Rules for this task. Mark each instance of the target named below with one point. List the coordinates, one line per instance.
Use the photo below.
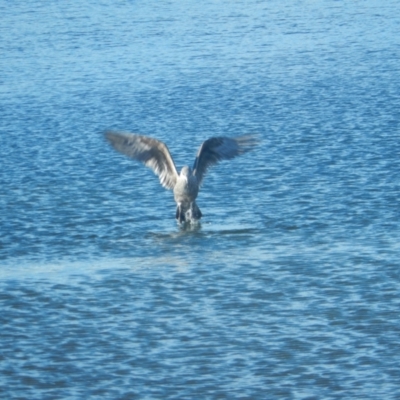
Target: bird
(185, 185)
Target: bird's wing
(217, 149)
(151, 152)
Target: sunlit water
(289, 287)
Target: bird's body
(185, 193)
(186, 185)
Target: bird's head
(186, 171)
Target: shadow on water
(207, 230)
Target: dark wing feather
(151, 152)
(220, 148)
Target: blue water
(288, 289)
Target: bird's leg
(180, 216)
(195, 211)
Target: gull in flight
(185, 185)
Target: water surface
(290, 286)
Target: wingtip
(248, 142)
(114, 136)
(109, 135)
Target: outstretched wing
(217, 149)
(151, 152)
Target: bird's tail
(184, 214)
